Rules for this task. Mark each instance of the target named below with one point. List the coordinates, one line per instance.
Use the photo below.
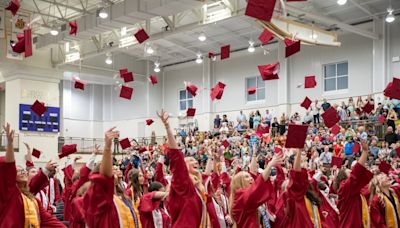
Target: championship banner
(2, 23)
(17, 27)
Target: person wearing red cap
(302, 203)
(353, 207)
(101, 206)
(187, 200)
(384, 203)
(247, 195)
(18, 206)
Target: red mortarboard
(337, 161)
(331, 117)
(24, 43)
(217, 91)
(191, 88)
(356, 148)
(153, 79)
(269, 72)
(265, 36)
(36, 153)
(126, 92)
(260, 9)
(190, 112)
(277, 150)
(79, 85)
(292, 47)
(128, 77)
(226, 144)
(368, 107)
(296, 136)
(384, 167)
(251, 90)
(29, 164)
(393, 89)
(13, 6)
(382, 119)
(39, 108)
(309, 82)
(149, 122)
(306, 103)
(335, 129)
(225, 52)
(211, 55)
(67, 150)
(125, 143)
(73, 27)
(141, 36)
(123, 71)
(262, 130)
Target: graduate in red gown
(353, 207)
(102, 207)
(77, 219)
(151, 207)
(384, 203)
(247, 194)
(18, 206)
(186, 201)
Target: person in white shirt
(268, 118)
(326, 156)
(308, 118)
(241, 117)
(315, 111)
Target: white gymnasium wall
(2, 107)
(393, 49)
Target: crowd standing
(240, 174)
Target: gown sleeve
(159, 175)
(8, 175)
(181, 183)
(83, 178)
(359, 177)
(38, 182)
(147, 204)
(257, 194)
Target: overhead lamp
(314, 36)
(157, 67)
(390, 17)
(199, 59)
(103, 13)
(251, 48)
(202, 37)
(109, 60)
(341, 2)
(149, 50)
(54, 31)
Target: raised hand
(9, 133)
(28, 148)
(110, 135)
(96, 149)
(277, 160)
(164, 116)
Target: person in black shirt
(390, 136)
(325, 106)
(275, 126)
(217, 122)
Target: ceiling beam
(169, 22)
(365, 9)
(63, 5)
(330, 21)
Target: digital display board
(30, 121)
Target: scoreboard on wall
(30, 121)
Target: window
(185, 100)
(260, 89)
(336, 76)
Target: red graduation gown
(349, 202)
(378, 211)
(68, 172)
(77, 213)
(98, 203)
(147, 206)
(295, 203)
(246, 202)
(184, 205)
(159, 174)
(11, 204)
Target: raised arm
(10, 143)
(210, 162)
(28, 156)
(297, 161)
(253, 164)
(170, 135)
(364, 154)
(106, 163)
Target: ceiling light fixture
(157, 67)
(109, 60)
(202, 37)
(341, 2)
(314, 36)
(251, 48)
(390, 17)
(149, 49)
(199, 59)
(103, 13)
(54, 31)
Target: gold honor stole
(313, 212)
(365, 212)
(31, 211)
(390, 213)
(204, 214)
(135, 205)
(124, 214)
